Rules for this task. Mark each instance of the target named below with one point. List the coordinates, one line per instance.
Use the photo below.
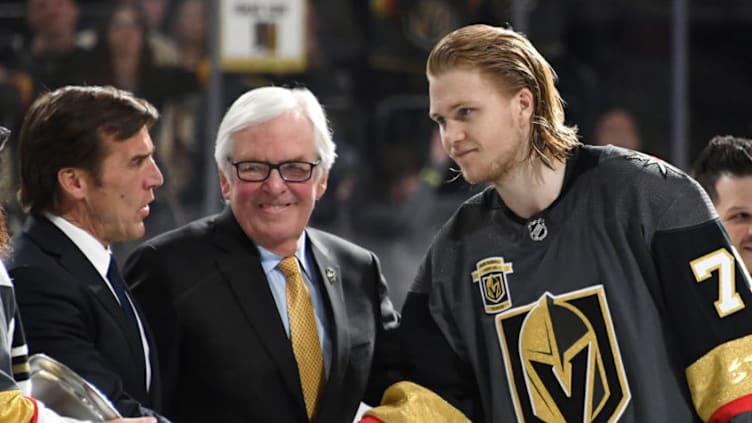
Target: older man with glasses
(258, 317)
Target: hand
(134, 420)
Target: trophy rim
(42, 366)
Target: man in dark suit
(87, 176)
(222, 301)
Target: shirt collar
(98, 254)
(270, 260)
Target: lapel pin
(331, 275)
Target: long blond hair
(512, 63)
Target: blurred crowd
(392, 185)
(391, 180)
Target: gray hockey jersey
(622, 301)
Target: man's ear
(73, 181)
(224, 184)
(321, 185)
(526, 103)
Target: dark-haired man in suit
(87, 177)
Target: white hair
(264, 104)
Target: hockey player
(724, 169)
(587, 284)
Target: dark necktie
(113, 275)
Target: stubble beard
(499, 170)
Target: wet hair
(724, 155)
(67, 128)
(512, 63)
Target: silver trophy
(67, 393)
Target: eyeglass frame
(4, 136)
(272, 166)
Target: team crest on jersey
(491, 276)
(562, 359)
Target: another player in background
(724, 169)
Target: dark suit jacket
(71, 315)
(224, 352)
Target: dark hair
(67, 128)
(103, 55)
(723, 155)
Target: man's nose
(156, 179)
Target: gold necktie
(303, 334)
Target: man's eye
(740, 217)
(251, 167)
(139, 161)
(296, 167)
(465, 112)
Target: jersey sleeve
(427, 346)
(14, 407)
(705, 291)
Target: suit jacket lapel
(56, 243)
(331, 280)
(240, 267)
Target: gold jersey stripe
(14, 407)
(721, 376)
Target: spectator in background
(724, 169)
(181, 150)
(124, 59)
(51, 56)
(16, 91)
(618, 127)
(180, 137)
(163, 45)
(191, 35)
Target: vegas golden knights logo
(491, 276)
(562, 359)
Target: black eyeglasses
(4, 136)
(293, 171)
